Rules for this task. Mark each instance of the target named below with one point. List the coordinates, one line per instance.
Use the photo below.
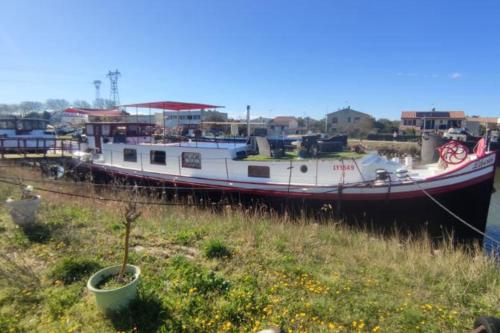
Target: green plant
(187, 237)
(215, 248)
(60, 299)
(70, 270)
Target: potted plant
(115, 286)
(23, 211)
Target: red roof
(96, 112)
(175, 106)
(490, 120)
(285, 120)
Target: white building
(185, 119)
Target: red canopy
(175, 106)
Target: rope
(446, 209)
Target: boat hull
(384, 209)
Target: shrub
(187, 237)
(196, 278)
(217, 249)
(70, 270)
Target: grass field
(238, 270)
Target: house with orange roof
(476, 125)
(431, 120)
(283, 125)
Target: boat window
(157, 157)
(258, 171)
(89, 129)
(7, 124)
(191, 160)
(133, 130)
(106, 130)
(129, 155)
(303, 168)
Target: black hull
(408, 216)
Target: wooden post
(2, 148)
(24, 150)
(62, 148)
(44, 146)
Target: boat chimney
(248, 121)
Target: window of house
(356, 119)
(348, 119)
(259, 171)
(191, 160)
(158, 157)
(334, 120)
(129, 155)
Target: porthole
(303, 168)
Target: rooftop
(433, 114)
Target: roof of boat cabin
(174, 106)
(125, 123)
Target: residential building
(431, 120)
(348, 120)
(476, 125)
(283, 125)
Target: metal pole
(227, 170)
(248, 121)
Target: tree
(384, 125)
(214, 116)
(30, 106)
(81, 104)
(56, 104)
(38, 115)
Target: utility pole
(97, 85)
(248, 120)
(113, 79)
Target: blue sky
(302, 58)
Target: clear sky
(282, 57)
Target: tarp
(174, 106)
(96, 112)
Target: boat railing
(38, 146)
(294, 167)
